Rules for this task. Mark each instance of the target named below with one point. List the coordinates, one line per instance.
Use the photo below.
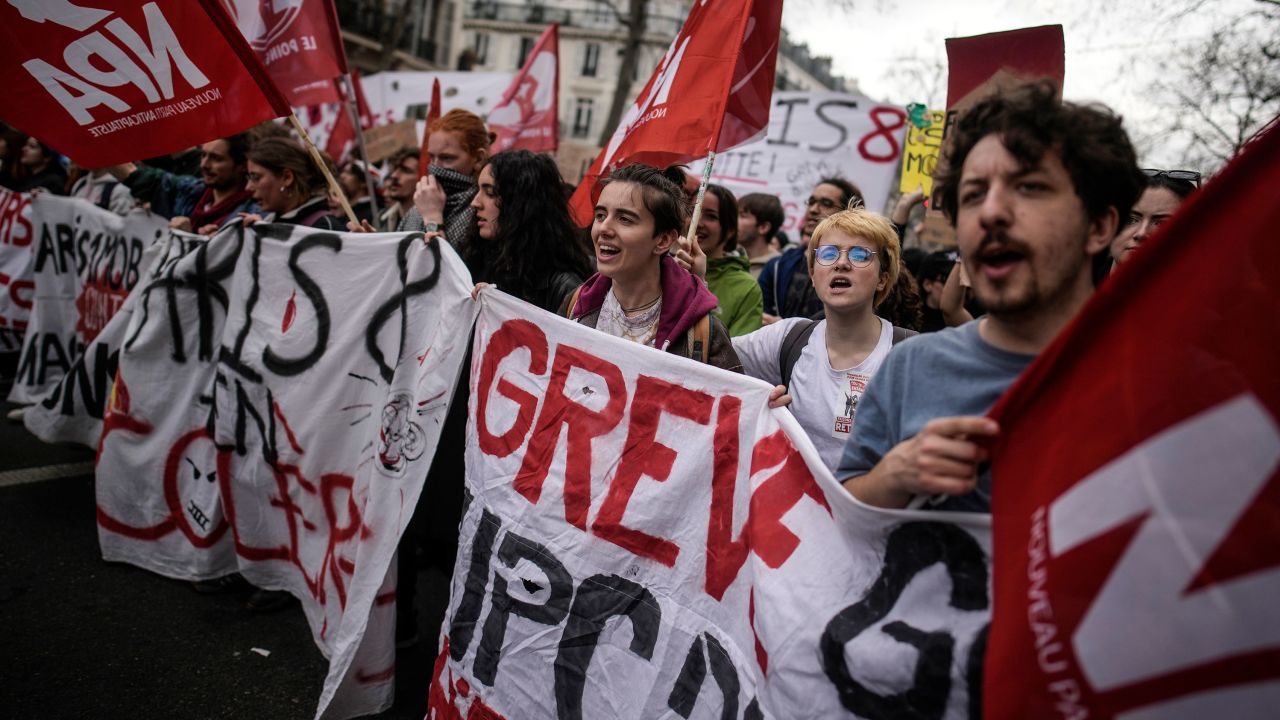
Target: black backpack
(798, 336)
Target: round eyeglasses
(859, 256)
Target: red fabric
(1029, 52)
(208, 83)
(433, 114)
(300, 45)
(1125, 411)
(526, 118)
(362, 105)
(343, 135)
(712, 91)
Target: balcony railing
(590, 15)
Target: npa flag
(526, 117)
(706, 94)
(140, 79)
(1137, 502)
(298, 42)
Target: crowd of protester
(1037, 190)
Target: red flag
(137, 80)
(1137, 499)
(362, 105)
(526, 117)
(298, 42)
(975, 62)
(343, 135)
(706, 94)
(433, 114)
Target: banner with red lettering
(1137, 498)
(17, 284)
(279, 397)
(710, 92)
(138, 79)
(527, 116)
(813, 135)
(642, 537)
(86, 260)
(298, 42)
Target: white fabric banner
(813, 135)
(17, 286)
(644, 538)
(71, 410)
(279, 398)
(86, 260)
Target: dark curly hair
(536, 239)
(1030, 120)
(848, 191)
(664, 199)
(902, 305)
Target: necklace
(638, 308)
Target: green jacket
(741, 302)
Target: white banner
(644, 538)
(86, 260)
(17, 286)
(278, 402)
(813, 135)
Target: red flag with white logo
(526, 117)
(1136, 485)
(298, 42)
(139, 79)
(711, 92)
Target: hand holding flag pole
(334, 187)
(696, 261)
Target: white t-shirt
(823, 399)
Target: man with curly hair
(1035, 187)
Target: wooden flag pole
(697, 205)
(364, 154)
(334, 187)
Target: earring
(284, 189)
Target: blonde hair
(872, 227)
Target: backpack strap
(104, 201)
(792, 345)
(901, 333)
(573, 302)
(700, 341)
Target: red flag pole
(334, 187)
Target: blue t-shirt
(943, 374)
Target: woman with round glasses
(1165, 191)
(854, 258)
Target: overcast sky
(1114, 48)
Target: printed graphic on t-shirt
(847, 404)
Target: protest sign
(383, 142)
(86, 260)
(920, 152)
(642, 537)
(526, 117)
(1137, 481)
(277, 404)
(17, 286)
(298, 42)
(72, 410)
(141, 79)
(396, 96)
(710, 93)
(812, 136)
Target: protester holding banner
(1035, 188)
(457, 144)
(728, 268)
(760, 216)
(1165, 191)
(41, 169)
(193, 203)
(854, 261)
(401, 179)
(784, 280)
(286, 184)
(639, 293)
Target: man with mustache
(1035, 187)
(203, 203)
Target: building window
(482, 48)
(590, 59)
(526, 47)
(582, 117)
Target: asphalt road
(83, 638)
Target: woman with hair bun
(287, 186)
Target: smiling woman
(639, 293)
